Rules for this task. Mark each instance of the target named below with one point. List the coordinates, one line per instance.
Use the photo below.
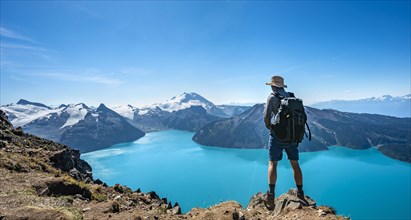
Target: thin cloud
(14, 35)
(86, 78)
(22, 47)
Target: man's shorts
(276, 149)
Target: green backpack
(290, 120)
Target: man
(276, 147)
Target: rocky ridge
(42, 179)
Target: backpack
(290, 120)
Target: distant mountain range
(391, 135)
(189, 111)
(88, 129)
(385, 105)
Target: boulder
(284, 203)
(69, 160)
(59, 187)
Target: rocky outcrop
(4, 123)
(287, 206)
(61, 187)
(68, 160)
(285, 203)
(23, 152)
(328, 127)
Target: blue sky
(139, 53)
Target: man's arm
(268, 111)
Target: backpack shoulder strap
(276, 94)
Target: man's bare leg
(298, 177)
(272, 172)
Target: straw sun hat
(277, 81)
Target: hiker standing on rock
(277, 137)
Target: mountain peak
(188, 96)
(183, 101)
(25, 102)
(102, 108)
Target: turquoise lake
(362, 184)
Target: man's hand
(268, 126)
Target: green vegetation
(98, 197)
(71, 180)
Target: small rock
(138, 190)
(153, 195)
(176, 210)
(86, 209)
(115, 207)
(236, 216)
(98, 182)
(169, 205)
(294, 205)
(164, 200)
(321, 212)
(78, 196)
(242, 216)
(131, 203)
(117, 198)
(119, 188)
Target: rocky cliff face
(42, 179)
(329, 127)
(26, 153)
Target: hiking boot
(300, 194)
(269, 201)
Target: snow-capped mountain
(181, 102)
(24, 112)
(169, 114)
(385, 105)
(78, 125)
(100, 128)
(127, 111)
(187, 100)
(54, 123)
